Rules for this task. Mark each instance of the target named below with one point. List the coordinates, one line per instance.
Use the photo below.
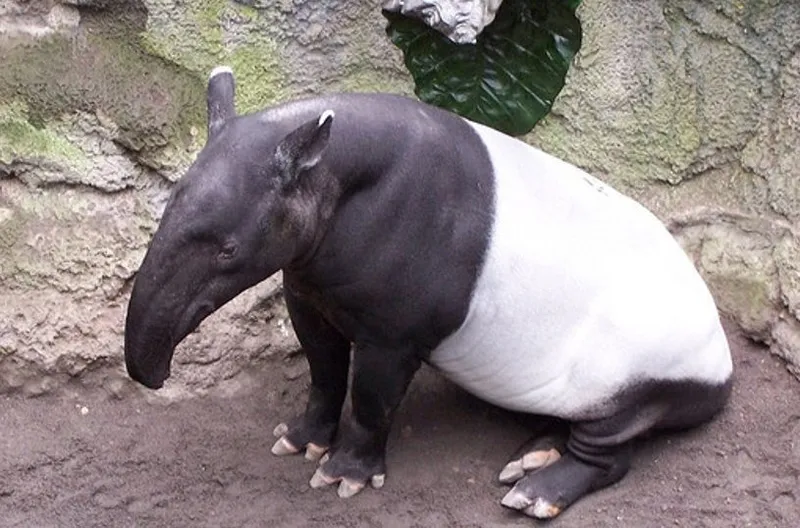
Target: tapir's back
(583, 293)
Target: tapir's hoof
(280, 430)
(516, 500)
(284, 447)
(315, 452)
(530, 461)
(347, 487)
(535, 454)
(320, 479)
(539, 508)
(511, 472)
(377, 481)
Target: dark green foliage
(509, 78)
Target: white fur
(325, 115)
(583, 291)
(220, 70)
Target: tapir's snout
(150, 378)
(152, 331)
(149, 343)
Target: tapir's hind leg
(598, 451)
(328, 355)
(596, 456)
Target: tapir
(407, 235)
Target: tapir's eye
(228, 251)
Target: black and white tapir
(413, 235)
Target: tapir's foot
(546, 492)
(534, 455)
(351, 472)
(300, 436)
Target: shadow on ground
(89, 460)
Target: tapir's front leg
(380, 378)
(328, 355)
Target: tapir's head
(243, 211)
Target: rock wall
(102, 107)
(692, 108)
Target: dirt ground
(89, 459)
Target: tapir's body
(418, 236)
(580, 286)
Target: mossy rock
(201, 35)
(19, 139)
(104, 69)
(152, 102)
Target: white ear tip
(220, 69)
(324, 117)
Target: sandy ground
(205, 462)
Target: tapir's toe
(539, 508)
(283, 446)
(542, 509)
(280, 430)
(531, 461)
(377, 481)
(532, 506)
(347, 487)
(516, 500)
(319, 479)
(536, 455)
(315, 452)
(511, 472)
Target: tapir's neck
(414, 191)
(316, 209)
(374, 140)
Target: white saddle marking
(583, 291)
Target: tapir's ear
(303, 148)
(221, 91)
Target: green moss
(749, 298)
(20, 139)
(258, 77)
(365, 69)
(190, 41)
(33, 73)
(551, 135)
(196, 41)
(153, 102)
(250, 13)
(364, 79)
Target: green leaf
(509, 78)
